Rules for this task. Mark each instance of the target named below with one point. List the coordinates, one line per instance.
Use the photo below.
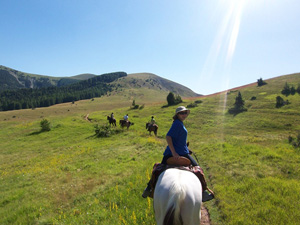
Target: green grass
(69, 176)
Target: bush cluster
(261, 82)
(105, 130)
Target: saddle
(183, 164)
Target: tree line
(290, 90)
(44, 97)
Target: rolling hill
(22, 90)
(11, 79)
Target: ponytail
(175, 117)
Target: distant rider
(152, 122)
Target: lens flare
(223, 47)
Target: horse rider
(126, 117)
(112, 116)
(152, 122)
(177, 147)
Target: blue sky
(208, 46)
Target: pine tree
(171, 98)
(238, 105)
(286, 90)
(239, 102)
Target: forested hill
(19, 90)
(44, 97)
(11, 79)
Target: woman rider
(177, 146)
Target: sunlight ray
(224, 44)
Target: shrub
(105, 131)
(135, 107)
(198, 101)
(295, 141)
(102, 131)
(192, 105)
(45, 125)
(280, 102)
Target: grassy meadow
(70, 176)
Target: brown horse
(152, 127)
(112, 121)
(124, 123)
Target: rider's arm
(171, 146)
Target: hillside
(70, 176)
(33, 91)
(11, 79)
(43, 97)
(152, 81)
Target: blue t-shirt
(178, 133)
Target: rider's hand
(176, 156)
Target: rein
(196, 157)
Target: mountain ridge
(11, 79)
(23, 90)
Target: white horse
(177, 198)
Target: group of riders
(126, 119)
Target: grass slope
(68, 176)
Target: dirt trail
(204, 216)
